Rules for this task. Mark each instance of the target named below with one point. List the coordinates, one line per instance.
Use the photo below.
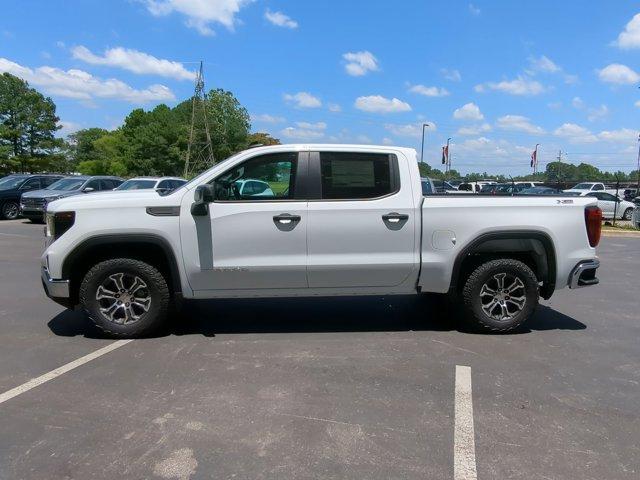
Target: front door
(254, 238)
(361, 230)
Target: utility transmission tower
(199, 150)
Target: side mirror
(88, 190)
(202, 197)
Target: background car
(428, 187)
(160, 184)
(546, 191)
(253, 188)
(34, 204)
(610, 205)
(13, 186)
(635, 220)
(442, 186)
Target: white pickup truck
(335, 220)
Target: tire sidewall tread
(480, 275)
(156, 283)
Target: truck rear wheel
(501, 294)
(124, 297)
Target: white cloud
(388, 141)
(473, 130)
(409, 130)
(134, 61)
(334, 107)
(303, 100)
(630, 36)
(266, 118)
(360, 63)
(637, 104)
(429, 91)
(280, 19)
(544, 64)
(518, 123)
(575, 133)
(578, 103)
(597, 113)
(618, 74)
(469, 111)
(473, 9)
(81, 85)
(453, 75)
(305, 131)
(380, 104)
(200, 13)
(621, 136)
(519, 86)
(68, 128)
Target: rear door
(604, 203)
(249, 240)
(361, 222)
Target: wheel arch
(151, 248)
(533, 247)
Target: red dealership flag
(445, 154)
(534, 158)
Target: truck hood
(113, 199)
(49, 194)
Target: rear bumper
(56, 290)
(584, 274)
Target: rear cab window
(357, 176)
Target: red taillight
(593, 222)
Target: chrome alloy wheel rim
(503, 296)
(11, 211)
(123, 298)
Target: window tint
(107, 184)
(607, 196)
(262, 178)
(598, 187)
(355, 175)
(426, 187)
(95, 184)
(465, 187)
(46, 181)
(32, 184)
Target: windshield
(67, 184)
(12, 181)
(137, 185)
(198, 179)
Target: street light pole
(424, 125)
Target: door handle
(286, 219)
(395, 217)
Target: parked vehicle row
(28, 195)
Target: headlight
(58, 223)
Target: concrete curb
(621, 233)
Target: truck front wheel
(124, 297)
(500, 295)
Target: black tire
(627, 214)
(10, 210)
(154, 288)
(477, 301)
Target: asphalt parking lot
(358, 388)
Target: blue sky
(495, 76)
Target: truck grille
(33, 202)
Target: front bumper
(584, 274)
(56, 290)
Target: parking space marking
(464, 448)
(34, 382)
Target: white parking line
(464, 447)
(14, 392)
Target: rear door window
(354, 176)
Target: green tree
(261, 138)
(28, 124)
